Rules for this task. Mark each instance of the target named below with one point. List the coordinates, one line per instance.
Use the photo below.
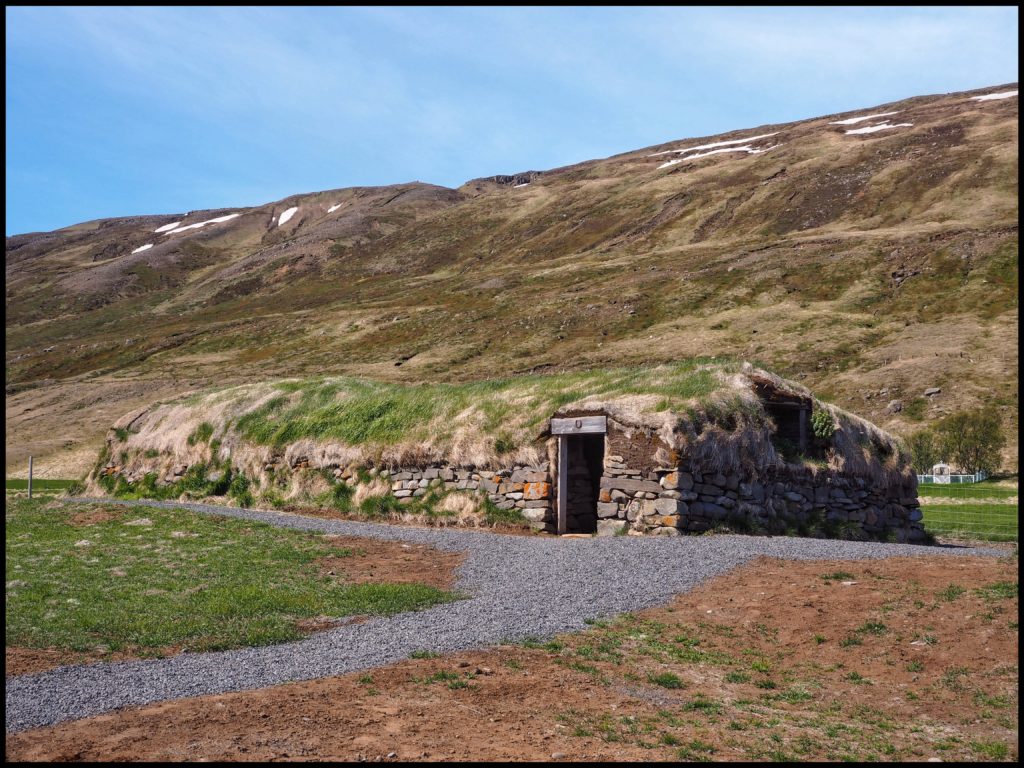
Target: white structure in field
(942, 474)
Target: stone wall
(676, 500)
(637, 496)
(522, 487)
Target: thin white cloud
(847, 50)
(224, 65)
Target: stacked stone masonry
(666, 500)
(676, 500)
(523, 487)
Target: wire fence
(970, 511)
(967, 492)
(951, 479)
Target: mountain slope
(871, 254)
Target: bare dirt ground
(94, 515)
(373, 561)
(365, 561)
(899, 659)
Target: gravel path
(519, 587)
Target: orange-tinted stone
(532, 491)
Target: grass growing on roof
(359, 412)
(174, 579)
(202, 434)
(704, 407)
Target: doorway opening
(584, 461)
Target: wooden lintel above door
(580, 425)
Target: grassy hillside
(869, 266)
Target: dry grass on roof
(702, 408)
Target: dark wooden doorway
(585, 465)
(580, 466)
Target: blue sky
(121, 111)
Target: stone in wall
(536, 490)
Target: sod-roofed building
(666, 450)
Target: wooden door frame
(563, 429)
(563, 481)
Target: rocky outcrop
(515, 180)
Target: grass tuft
(666, 680)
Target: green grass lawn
(996, 522)
(966, 491)
(149, 578)
(38, 484)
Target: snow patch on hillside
(334, 207)
(716, 144)
(217, 220)
(883, 127)
(287, 215)
(994, 96)
(855, 120)
(142, 248)
(517, 186)
(166, 227)
(748, 149)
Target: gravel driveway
(519, 587)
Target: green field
(995, 522)
(38, 484)
(145, 579)
(966, 491)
